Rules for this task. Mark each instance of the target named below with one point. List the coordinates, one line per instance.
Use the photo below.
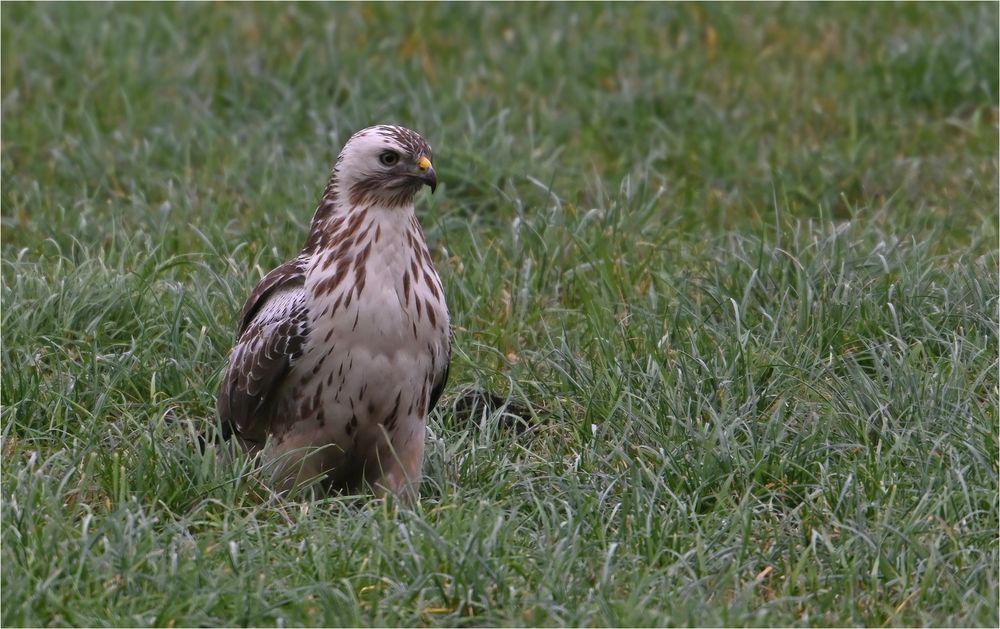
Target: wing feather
(272, 333)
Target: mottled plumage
(343, 351)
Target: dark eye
(389, 158)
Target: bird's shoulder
(290, 276)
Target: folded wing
(272, 333)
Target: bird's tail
(474, 402)
(217, 433)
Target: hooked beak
(426, 174)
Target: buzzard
(343, 351)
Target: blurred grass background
(827, 107)
(741, 260)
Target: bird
(343, 351)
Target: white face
(361, 153)
(384, 165)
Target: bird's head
(384, 165)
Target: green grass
(740, 261)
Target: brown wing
(273, 330)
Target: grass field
(739, 261)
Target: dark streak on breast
(390, 420)
(430, 313)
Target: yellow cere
(424, 164)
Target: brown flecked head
(384, 165)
